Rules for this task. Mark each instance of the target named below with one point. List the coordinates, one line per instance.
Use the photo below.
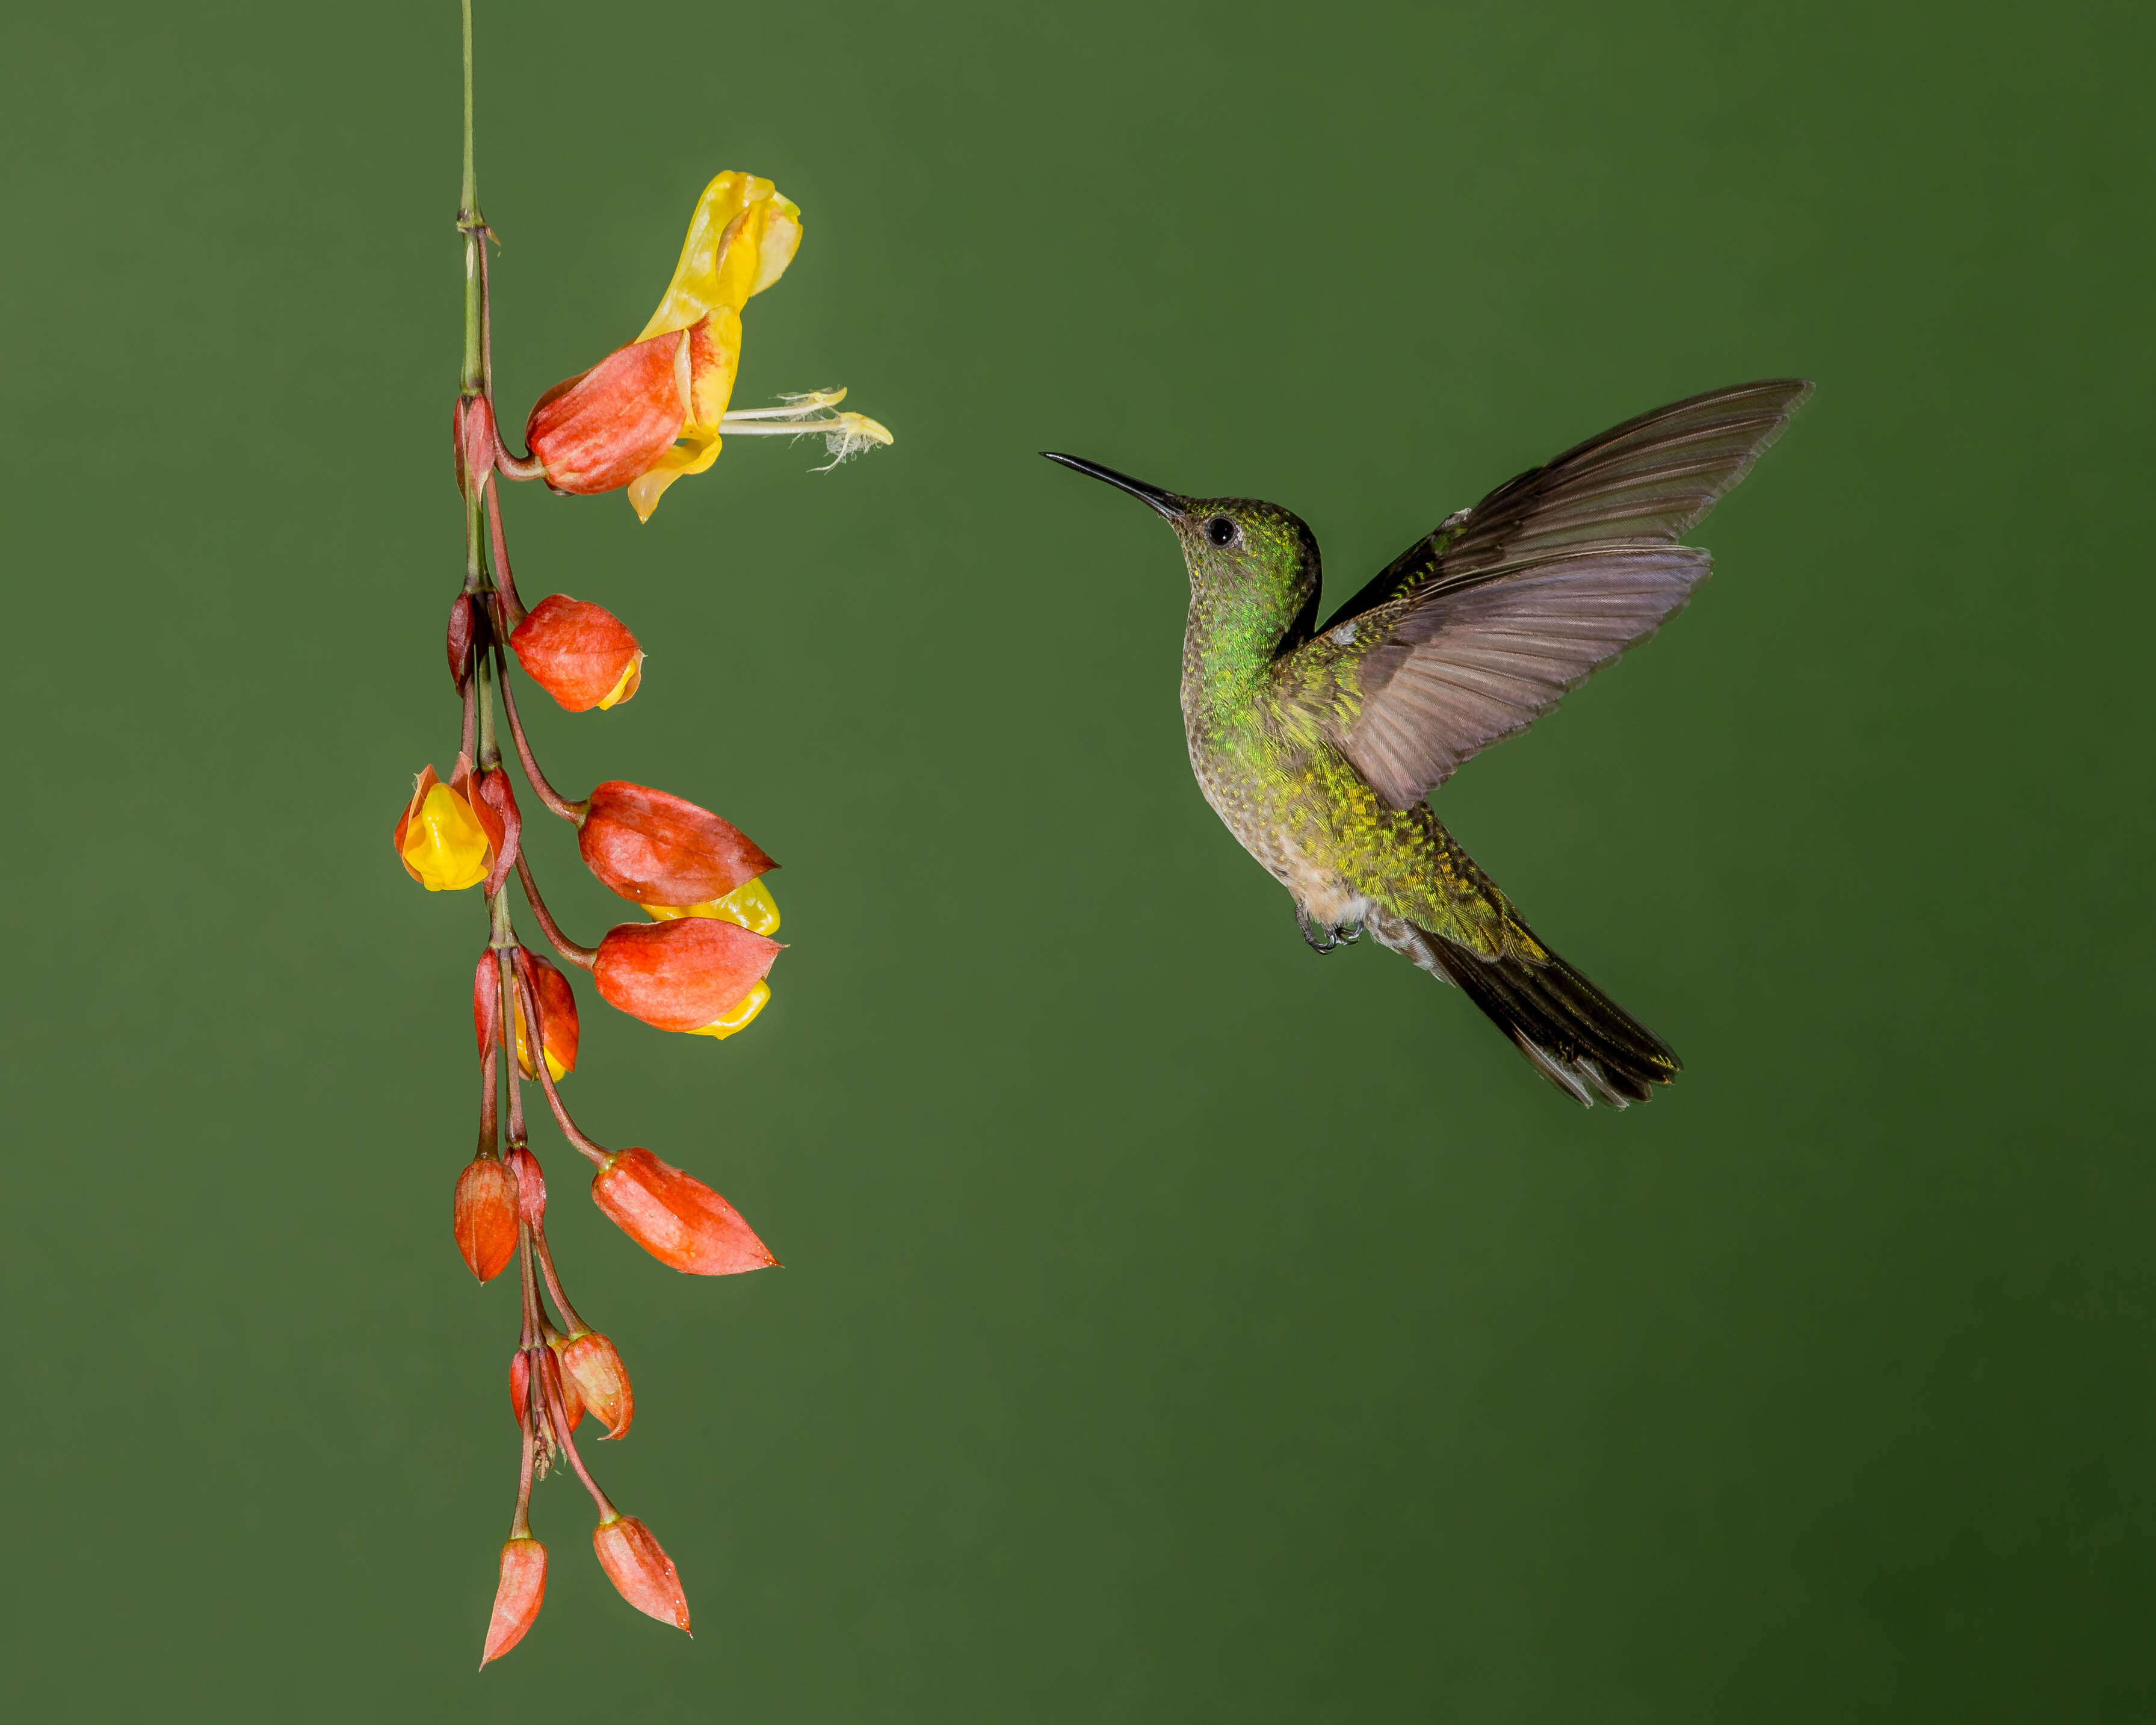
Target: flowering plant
(648, 413)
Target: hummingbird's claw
(1324, 941)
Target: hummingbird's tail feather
(1571, 1032)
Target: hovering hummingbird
(1317, 745)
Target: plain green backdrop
(1174, 1326)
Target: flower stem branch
(575, 1134)
(498, 910)
(490, 1136)
(559, 1412)
(509, 606)
(545, 793)
(578, 1326)
(583, 958)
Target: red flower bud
(656, 848)
(597, 431)
(486, 1002)
(464, 625)
(642, 1573)
(517, 1600)
(682, 975)
(486, 1216)
(590, 1362)
(520, 1389)
(530, 1184)
(472, 428)
(559, 1026)
(581, 655)
(492, 795)
(675, 1217)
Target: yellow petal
(782, 238)
(714, 351)
(740, 239)
(698, 453)
(750, 904)
(632, 678)
(554, 1064)
(737, 1016)
(445, 846)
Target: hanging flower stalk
(648, 413)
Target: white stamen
(843, 434)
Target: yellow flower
(441, 839)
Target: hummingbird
(1317, 745)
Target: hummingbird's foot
(1324, 940)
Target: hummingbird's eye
(1220, 530)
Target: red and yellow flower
(448, 837)
(651, 412)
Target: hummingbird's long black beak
(1166, 502)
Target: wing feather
(1476, 631)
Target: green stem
(471, 178)
(469, 221)
(490, 749)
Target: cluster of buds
(646, 415)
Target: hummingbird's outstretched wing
(1476, 631)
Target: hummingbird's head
(1252, 565)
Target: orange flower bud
(682, 975)
(558, 1027)
(590, 1363)
(520, 1390)
(657, 849)
(675, 1217)
(581, 655)
(446, 839)
(485, 1213)
(517, 1600)
(640, 1570)
(530, 1184)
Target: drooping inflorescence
(646, 415)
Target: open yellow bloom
(653, 411)
(446, 840)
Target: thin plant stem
(578, 1326)
(468, 737)
(504, 957)
(506, 597)
(545, 793)
(583, 958)
(472, 224)
(592, 1148)
(488, 1119)
(557, 1408)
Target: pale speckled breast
(1262, 790)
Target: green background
(1175, 1326)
